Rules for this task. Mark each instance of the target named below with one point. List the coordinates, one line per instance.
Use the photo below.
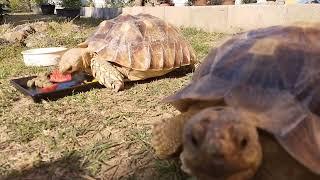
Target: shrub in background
(74, 4)
(20, 5)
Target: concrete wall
(224, 18)
(101, 3)
(104, 13)
(97, 3)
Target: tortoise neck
(86, 58)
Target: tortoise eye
(243, 143)
(194, 141)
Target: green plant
(118, 3)
(40, 2)
(71, 3)
(20, 5)
(37, 2)
(90, 3)
(5, 2)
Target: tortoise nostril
(69, 69)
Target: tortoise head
(75, 59)
(218, 144)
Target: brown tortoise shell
(273, 75)
(142, 42)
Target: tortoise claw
(118, 86)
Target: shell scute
(272, 73)
(142, 42)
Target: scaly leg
(167, 135)
(107, 74)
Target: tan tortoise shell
(271, 75)
(141, 42)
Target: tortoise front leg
(107, 74)
(167, 135)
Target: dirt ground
(93, 135)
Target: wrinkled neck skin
(87, 56)
(86, 60)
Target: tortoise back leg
(107, 74)
(167, 135)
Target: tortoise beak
(65, 69)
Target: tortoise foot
(107, 74)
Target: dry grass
(92, 135)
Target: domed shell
(142, 42)
(272, 75)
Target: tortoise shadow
(67, 167)
(177, 73)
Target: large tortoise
(264, 81)
(129, 48)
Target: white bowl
(43, 56)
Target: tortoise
(259, 83)
(129, 48)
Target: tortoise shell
(142, 42)
(273, 74)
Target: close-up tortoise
(129, 48)
(251, 109)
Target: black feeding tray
(21, 85)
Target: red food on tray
(56, 90)
(49, 88)
(57, 76)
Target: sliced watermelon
(47, 89)
(57, 76)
